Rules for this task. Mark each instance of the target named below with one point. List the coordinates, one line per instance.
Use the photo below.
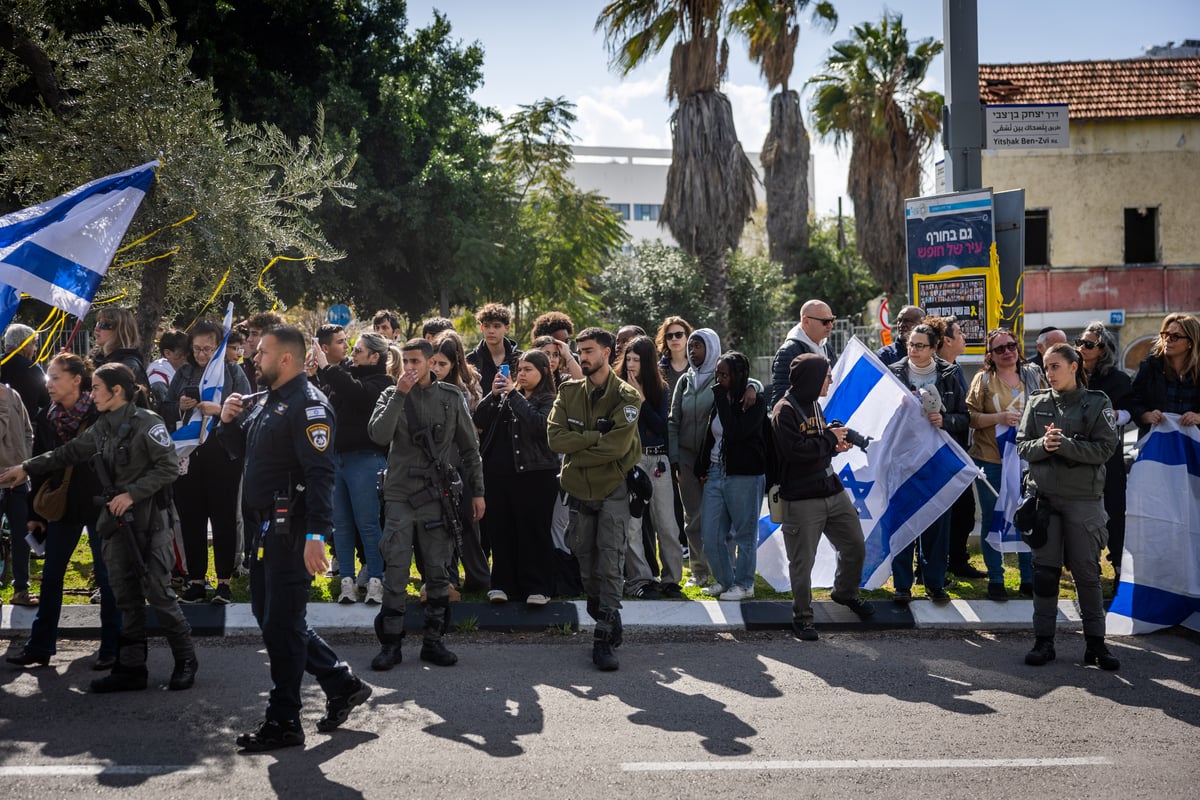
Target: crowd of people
(590, 463)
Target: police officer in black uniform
(287, 441)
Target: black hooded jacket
(804, 447)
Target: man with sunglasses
(810, 335)
(906, 320)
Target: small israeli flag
(194, 431)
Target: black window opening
(1037, 237)
(1141, 235)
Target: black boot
(593, 607)
(437, 620)
(602, 641)
(121, 679)
(389, 627)
(618, 630)
(1097, 654)
(1042, 652)
(184, 674)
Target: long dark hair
(1071, 355)
(739, 372)
(541, 362)
(653, 385)
(463, 375)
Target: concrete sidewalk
(643, 615)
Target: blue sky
(547, 48)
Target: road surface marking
(75, 770)
(863, 763)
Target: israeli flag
(1000, 532)
(909, 476)
(59, 251)
(1160, 567)
(195, 429)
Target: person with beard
(815, 501)
(353, 391)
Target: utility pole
(962, 118)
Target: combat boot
(184, 674)
(1042, 652)
(602, 641)
(1097, 654)
(389, 627)
(593, 607)
(121, 679)
(437, 620)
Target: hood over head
(807, 376)
(712, 352)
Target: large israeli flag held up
(1160, 567)
(909, 476)
(194, 430)
(1001, 534)
(59, 251)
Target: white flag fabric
(909, 476)
(59, 251)
(195, 429)
(1160, 567)
(1001, 534)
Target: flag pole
(71, 338)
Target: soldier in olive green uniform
(1067, 435)
(141, 461)
(414, 509)
(594, 425)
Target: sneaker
(334, 569)
(694, 582)
(95, 598)
(855, 604)
(272, 735)
(805, 631)
(687, 552)
(194, 593)
(645, 592)
(712, 590)
(738, 593)
(337, 707)
(374, 592)
(349, 594)
(223, 596)
(997, 592)
(537, 600)
(901, 597)
(497, 596)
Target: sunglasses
(825, 320)
(1086, 345)
(676, 335)
(103, 326)
(1174, 337)
(1011, 347)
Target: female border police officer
(1067, 435)
(140, 459)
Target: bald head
(816, 320)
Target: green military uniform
(593, 474)
(141, 460)
(1072, 477)
(413, 502)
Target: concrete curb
(79, 621)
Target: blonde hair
(1191, 329)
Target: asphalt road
(697, 716)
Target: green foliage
(836, 275)
(650, 283)
(759, 295)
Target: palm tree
(870, 93)
(710, 183)
(772, 29)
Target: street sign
(883, 316)
(338, 315)
(1116, 317)
(1029, 126)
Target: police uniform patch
(1110, 417)
(314, 412)
(158, 434)
(630, 413)
(318, 436)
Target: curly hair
(660, 338)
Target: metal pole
(962, 120)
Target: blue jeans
(993, 559)
(61, 540)
(729, 521)
(934, 554)
(356, 506)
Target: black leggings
(209, 491)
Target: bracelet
(315, 537)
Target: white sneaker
(738, 593)
(537, 600)
(692, 583)
(349, 594)
(497, 596)
(374, 592)
(712, 590)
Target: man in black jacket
(814, 500)
(810, 335)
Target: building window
(643, 212)
(1037, 237)
(1141, 235)
(622, 210)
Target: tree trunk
(785, 158)
(152, 303)
(715, 269)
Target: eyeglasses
(918, 346)
(236, 348)
(203, 350)
(675, 334)
(1174, 337)
(1086, 345)
(1011, 347)
(103, 326)
(825, 320)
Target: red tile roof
(1136, 88)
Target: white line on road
(75, 770)
(864, 763)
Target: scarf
(66, 421)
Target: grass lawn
(79, 583)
